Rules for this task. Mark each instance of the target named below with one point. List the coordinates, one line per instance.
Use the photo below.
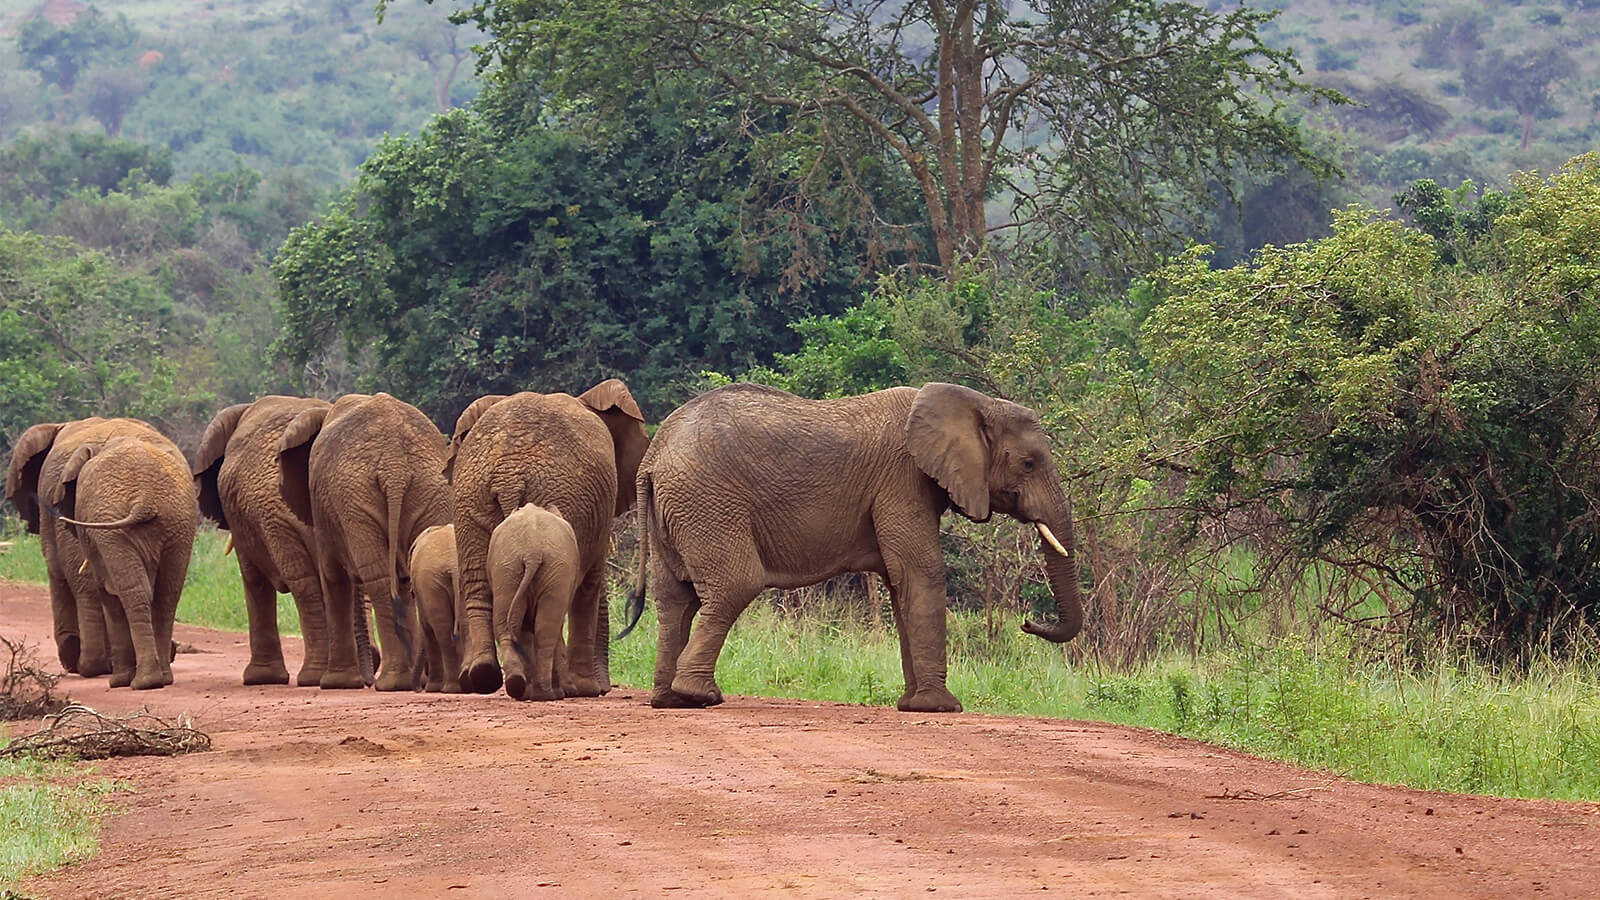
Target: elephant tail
(137, 517)
(396, 495)
(647, 506)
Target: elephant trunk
(1057, 542)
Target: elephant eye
(1027, 464)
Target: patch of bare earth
(364, 795)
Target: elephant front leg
(584, 675)
(64, 618)
(908, 666)
(261, 608)
(307, 594)
(124, 660)
(339, 605)
(94, 655)
(921, 620)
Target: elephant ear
(464, 422)
(616, 407)
(22, 479)
(294, 460)
(947, 436)
(64, 493)
(208, 460)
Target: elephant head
(22, 479)
(992, 456)
(615, 406)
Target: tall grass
(1448, 724)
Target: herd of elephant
(474, 552)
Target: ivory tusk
(85, 567)
(228, 547)
(1050, 538)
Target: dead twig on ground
(79, 731)
(27, 688)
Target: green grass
(1449, 725)
(49, 816)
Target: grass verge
(49, 816)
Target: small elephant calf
(433, 582)
(533, 571)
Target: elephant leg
(918, 580)
(552, 593)
(166, 590)
(721, 606)
(676, 606)
(581, 631)
(340, 607)
(908, 666)
(261, 606)
(602, 642)
(94, 657)
(480, 672)
(124, 658)
(307, 593)
(433, 681)
(396, 633)
(63, 606)
(444, 655)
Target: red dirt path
(356, 794)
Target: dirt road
(356, 794)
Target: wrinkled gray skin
(749, 487)
(37, 460)
(576, 453)
(131, 504)
(236, 470)
(368, 475)
(433, 583)
(533, 570)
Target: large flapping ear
(208, 460)
(615, 406)
(464, 422)
(22, 480)
(946, 435)
(64, 493)
(294, 460)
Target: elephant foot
(67, 650)
(149, 682)
(666, 698)
(309, 677)
(516, 683)
(342, 680)
(94, 667)
(452, 686)
(543, 693)
(482, 675)
(931, 700)
(266, 673)
(121, 679)
(582, 687)
(698, 691)
(393, 681)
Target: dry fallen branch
(27, 689)
(82, 732)
(1247, 794)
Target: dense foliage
(496, 253)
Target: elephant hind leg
(341, 604)
(676, 606)
(261, 608)
(721, 606)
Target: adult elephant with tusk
(748, 487)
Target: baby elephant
(533, 570)
(433, 582)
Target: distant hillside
(1452, 90)
(282, 84)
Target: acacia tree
(1101, 121)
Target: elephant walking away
(533, 570)
(367, 474)
(37, 460)
(131, 502)
(433, 584)
(747, 487)
(237, 472)
(576, 453)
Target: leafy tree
(60, 52)
(493, 253)
(1523, 79)
(1099, 122)
(110, 92)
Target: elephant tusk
(228, 547)
(1050, 538)
(85, 567)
